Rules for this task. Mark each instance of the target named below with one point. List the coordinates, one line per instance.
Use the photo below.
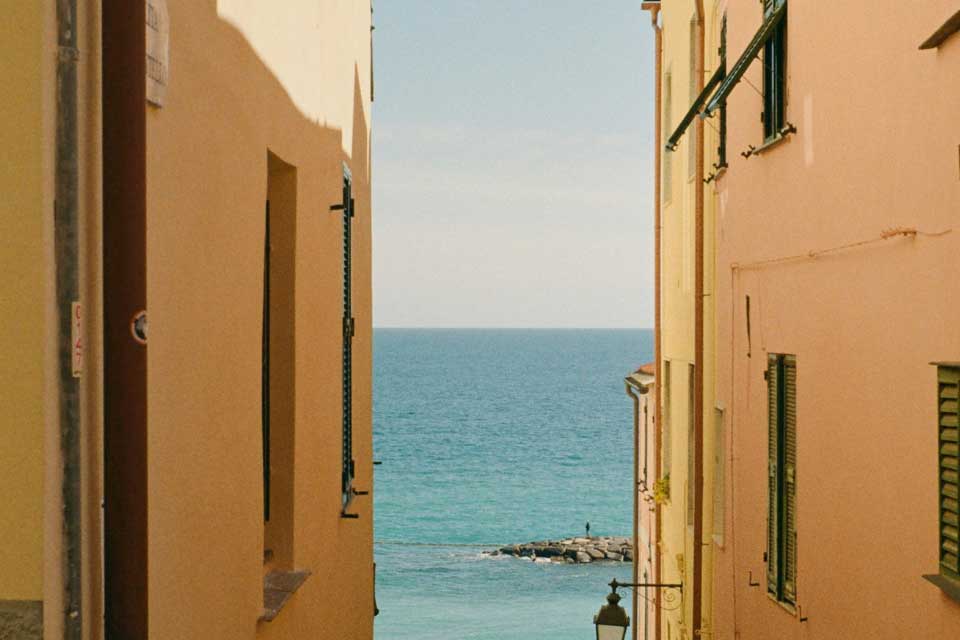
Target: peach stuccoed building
(185, 320)
(835, 179)
(838, 242)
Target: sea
(494, 437)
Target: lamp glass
(610, 632)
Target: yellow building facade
(221, 166)
(688, 205)
(26, 321)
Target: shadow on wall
(206, 187)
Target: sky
(513, 164)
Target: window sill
(278, 588)
(950, 588)
(772, 143)
(786, 606)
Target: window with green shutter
(774, 74)
(346, 207)
(948, 379)
(781, 378)
(722, 146)
(948, 466)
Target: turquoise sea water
(490, 437)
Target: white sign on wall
(158, 51)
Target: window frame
(782, 488)
(774, 76)
(722, 133)
(948, 416)
(667, 423)
(719, 476)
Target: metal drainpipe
(66, 249)
(657, 339)
(636, 501)
(698, 348)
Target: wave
(471, 545)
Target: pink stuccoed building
(837, 281)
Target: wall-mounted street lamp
(612, 621)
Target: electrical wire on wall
(735, 269)
(886, 234)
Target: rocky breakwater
(572, 550)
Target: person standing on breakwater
(588, 529)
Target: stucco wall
(678, 319)
(24, 298)
(30, 468)
(876, 149)
(298, 42)
(229, 102)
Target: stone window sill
(950, 588)
(772, 143)
(278, 587)
(786, 606)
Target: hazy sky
(513, 153)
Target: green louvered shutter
(949, 382)
(348, 465)
(773, 500)
(789, 478)
(770, 5)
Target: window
(692, 90)
(667, 445)
(774, 15)
(667, 120)
(774, 74)
(348, 465)
(278, 368)
(645, 481)
(722, 146)
(691, 436)
(948, 381)
(782, 463)
(719, 476)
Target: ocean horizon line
(473, 328)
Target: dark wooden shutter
(347, 352)
(722, 147)
(770, 5)
(773, 487)
(774, 77)
(789, 478)
(739, 68)
(947, 399)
